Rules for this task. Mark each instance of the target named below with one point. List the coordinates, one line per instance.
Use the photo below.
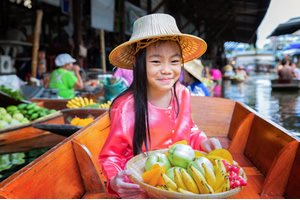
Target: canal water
(282, 107)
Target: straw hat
(149, 29)
(195, 68)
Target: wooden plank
(53, 175)
(239, 114)
(264, 143)
(292, 189)
(241, 134)
(88, 170)
(277, 177)
(36, 42)
(212, 115)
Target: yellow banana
(169, 182)
(221, 166)
(209, 175)
(86, 101)
(74, 102)
(178, 179)
(221, 173)
(189, 181)
(81, 102)
(225, 186)
(202, 185)
(71, 105)
(162, 187)
(92, 101)
(183, 191)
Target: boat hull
(267, 152)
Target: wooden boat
(278, 84)
(269, 155)
(26, 137)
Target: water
(282, 107)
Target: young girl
(154, 112)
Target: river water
(282, 107)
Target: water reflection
(282, 107)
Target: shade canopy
(288, 27)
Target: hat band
(146, 42)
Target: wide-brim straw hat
(149, 29)
(195, 68)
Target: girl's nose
(166, 69)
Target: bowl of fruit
(181, 172)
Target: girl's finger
(215, 143)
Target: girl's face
(163, 65)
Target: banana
(221, 173)
(202, 185)
(86, 101)
(71, 105)
(209, 175)
(169, 182)
(81, 102)
(189, 181)
(183, 191)
(92, 101)
(225, 186)
(74, 102)
(178, 179)
(162, 187)
(222, 166)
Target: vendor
(67, 77)
(193, 78)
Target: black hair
(138, 88)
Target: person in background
(67, 77)
(125, 74)
(193, 78)
(216, 75)
(241, 74)
(286, 72)
(155, 111)
(42, 64)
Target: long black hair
(138, 88)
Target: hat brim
(192, 47)
(195, 71)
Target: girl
(154, 112)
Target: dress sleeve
(115, 151)
(196, 137)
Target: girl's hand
(210, 144)
(121, 185)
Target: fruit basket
(137, 166)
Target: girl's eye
(154, 61)
(175, 61)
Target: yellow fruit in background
(199, 153)
(221, 153)
(75, 121)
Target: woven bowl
(137, 164)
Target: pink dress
(165, 129)
(126, 74)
